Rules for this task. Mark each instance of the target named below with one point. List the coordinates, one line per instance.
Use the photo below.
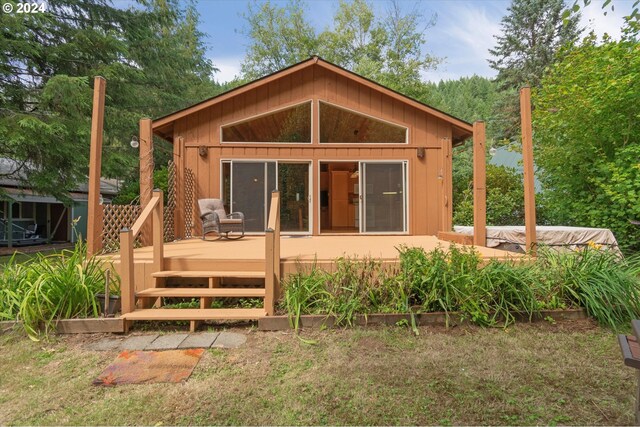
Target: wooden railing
(127, 236)
(272, 255)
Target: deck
(248, 253)
(210, 270)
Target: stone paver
(229, 340)
(105, 344)
(171, 341)
(138, 342)
(167, 342)
(202, 340)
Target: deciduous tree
(586, 139)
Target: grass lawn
(568, 373)
(23, 257)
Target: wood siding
(429, 178)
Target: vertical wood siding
(429, 179)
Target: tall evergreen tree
(152, 57)
(532, 33)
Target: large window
(338, 125)
(292, 124)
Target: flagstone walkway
(170, 341)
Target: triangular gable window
(291, 124)
(339, 125)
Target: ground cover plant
(457, 280)
(569, 373)
(45, 288)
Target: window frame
(266, 113)
(367, 144)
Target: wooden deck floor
(307, 248)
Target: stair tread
(203, 292)
(211, 273)
(196, 314)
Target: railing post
(270, 274)
(158, 233)
(272, 255)
(276, 248)
(127, 288)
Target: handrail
(272, 255)
(154, 209)
(144, 215)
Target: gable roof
(162, 125)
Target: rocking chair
(215, 220)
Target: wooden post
(146, 172)
(479, 185)
(448, 184)
(127, 285)
(94, 212)
(178, 218)
(158, 233)
(270, 274)
(527, 158)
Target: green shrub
(605, 285)
(50, 287)
(12, 288)
(456, 280)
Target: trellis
(190, 197)
(117, 217)
(170, 203)
(114, 219)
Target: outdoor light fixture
(135, 143)
(420, 152)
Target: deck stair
(147, 298)
(214, 279)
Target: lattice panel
(115, 218)
(170, 203)
(190, 198)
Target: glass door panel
(249, 185)
(249, 189)
(293, 183)
(384, 198)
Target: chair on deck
(215, 220)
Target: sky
(462, 35)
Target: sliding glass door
(249, 188)
(384, 199)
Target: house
(347, 155)
(322, 162)
(28, 218)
